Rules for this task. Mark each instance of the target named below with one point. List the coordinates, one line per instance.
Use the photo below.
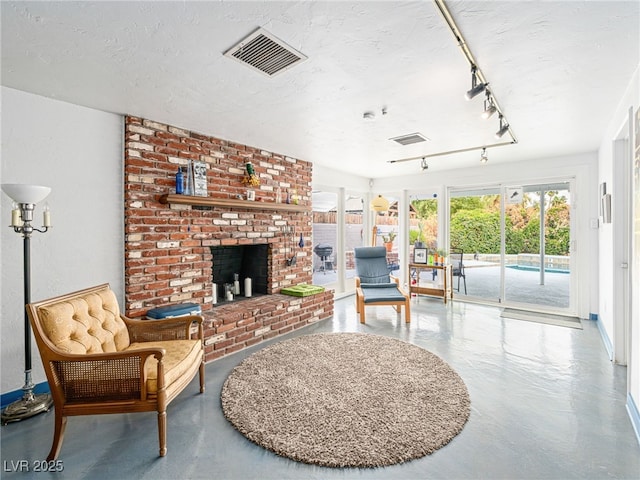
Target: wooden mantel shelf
(229, 203)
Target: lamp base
(26, 407)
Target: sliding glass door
(475, 231)
(337, 230)
(537, 260)
(325, 238)
(353, 235)
(516, 244)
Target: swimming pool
(529, 268)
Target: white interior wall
(77, 152)
(607, 235)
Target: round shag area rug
(346, 400)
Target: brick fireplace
(245, 261)
(170, 243)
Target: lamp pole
(30, 404)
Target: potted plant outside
(419, 243)
(388, 240)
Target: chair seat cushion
(379, 285)
(180, 356)
(389, 293)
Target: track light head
(475, 91)
(483, 156)
(476, 88)
(489, 111)
(489, 107)
(504, 128)
(423, 164)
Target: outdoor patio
(483, 283)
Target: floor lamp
(25, 198)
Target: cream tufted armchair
(98, 361)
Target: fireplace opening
(245, 261)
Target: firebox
(247, 261)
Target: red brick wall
(232, 327)
(167, 256)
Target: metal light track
(466, 51)
(450, 152)
(464, 47)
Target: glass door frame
(502, 188)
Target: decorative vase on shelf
(189, 180)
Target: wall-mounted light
(504, 128)
(476, 88)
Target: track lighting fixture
(483, 156)
(423, 164)
(476, 88)
(489, 106)
(504, 128)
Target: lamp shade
(21, 193)
(379, 204)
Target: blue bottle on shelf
(179, 182)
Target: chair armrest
(357, 279)
(397, 280)
(177, 328)
(101, 377)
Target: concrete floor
(546, 403)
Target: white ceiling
(557, 69)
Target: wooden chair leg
(361, 309)
(58, 435)
(162, 432)
(407, 311)
(202, 387)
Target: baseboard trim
(605, 338)
(634, 415)
(10, 397)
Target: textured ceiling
(557, 69)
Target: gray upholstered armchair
(374, 284)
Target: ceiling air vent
(409, 139)
(264, 52)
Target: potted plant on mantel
(388, 240)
